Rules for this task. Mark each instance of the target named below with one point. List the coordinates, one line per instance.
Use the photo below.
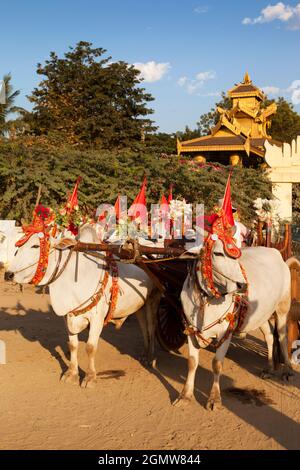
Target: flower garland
(70, 219)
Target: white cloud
(182, 81)
(152, 71)
(281, 12)
(192, 85)
(294, 89)
(296, 96)
(271, 90)
(201, 9)
(295, 84)
(203, 76)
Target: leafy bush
(105, 174)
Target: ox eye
(219, 254)
(16, 253)
(35, 246)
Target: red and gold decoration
(69, 215)
(112, 270)
(43, 224)
(138, 209)
(220, 230)
(220, 226)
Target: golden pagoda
(240, 134)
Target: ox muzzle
(9, 276)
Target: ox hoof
(89, 382)
(147, 362)
(214, 403)
(70, 378)
(287, 374)
(267, 374)
(182, 401)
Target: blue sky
(189, 51)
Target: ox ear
(65, 243)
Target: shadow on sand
(49, 331)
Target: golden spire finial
(247, 79)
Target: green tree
(161, 142)
(87, 99)
(208, 120)
(286, 122)
(188, 134)
(9, 106)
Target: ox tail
(293, 316)
(277, 354)
(294, 267)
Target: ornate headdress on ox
(220, 226)
(222, 230)
(43, 224)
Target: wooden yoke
(127, 252)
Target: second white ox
(9, 235)
(136, 294)
(268, 292)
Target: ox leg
(151, 317)
(147, 316)
(193, 360)
(71, 375)
(214, 401)
(281, 323)
(269, 338)
(141, 316)
(96, 325)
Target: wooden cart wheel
(169, 330)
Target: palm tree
(8, 107)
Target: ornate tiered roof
(243, 128)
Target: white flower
(267, 210)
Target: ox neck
(53, 260)
(58, 263)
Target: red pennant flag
(163, 200)
(140, 201)
(117, 208)
(227, 206)
(170, 197)
(73, 199)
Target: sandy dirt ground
(130, 408)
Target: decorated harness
(221, 230)
(43, 224)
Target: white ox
(9, 235)
(269, 292)
(137, 294)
